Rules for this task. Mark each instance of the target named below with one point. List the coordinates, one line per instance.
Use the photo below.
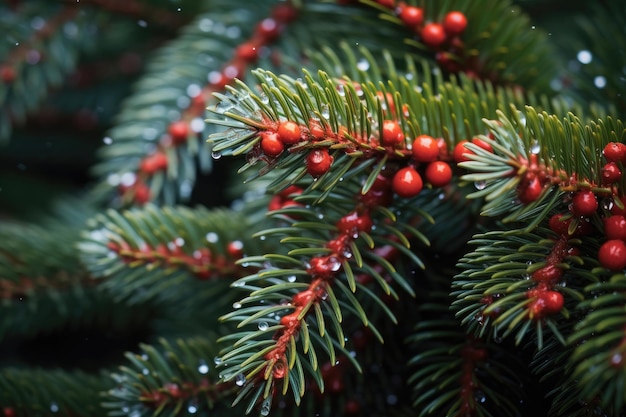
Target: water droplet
(617, 359)
(584, 57)
(266, 407)
(264, 98)
(127, 179)
(197, 125)
(535, 148)
(325, 111)
(480, 397)
(599, 81)
(54, 407)
(142, 23)
(212, 237)
(145, 371)
(363, 64)
(179, 241)
(107, 140)
(607, 203)
(347, 253)
(217, 360)
(480, 185)
(341, 90)
(192, 408)
(334, 264)
(262, 237)
(203, 368)
(263, 326)
(236, 305)
(291, 278)
(216, 155)
(320, 216)
(240, 380)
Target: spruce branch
(139, 254)
(472, 377)
(157, 142)
(48, 392)
(40, 56)
(168, 379)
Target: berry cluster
(442, 36)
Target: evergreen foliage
(313, 208)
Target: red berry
(407, 182)
(392, 133)
(292, 189)
(153, 163)
(267, 30)
(454, 23)
(482, 144)
(271, 144)
(284, 12)
(529, 190)
(235, 249)
(316, 130)
(438, 173)
(615, 152)
(546, 302)
(549, 274)
(558, 225)
(425, 148)
(248, 51)
(611, 173)
(7, 74)
(584, 203)
(179, 131)
(615, 227)
(318, 162)
(612, 255)
(8, 412)
(433, 35)
(142, 193)
(354, 222)
(553, 302)
(289, 132)
(460, 151)
(411, 16)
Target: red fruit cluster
(432, 34)
(274, 141)
(615, 155)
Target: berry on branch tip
(318, 162)
(454, 23)
(289, 132)
(438, 173)
(615, 152)
(392, 133)
(433, 35)
(407, 182)
(425, 148)
(584, 203)
(271, 144)
(411, 16)
(179, 131)
(612, 255)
